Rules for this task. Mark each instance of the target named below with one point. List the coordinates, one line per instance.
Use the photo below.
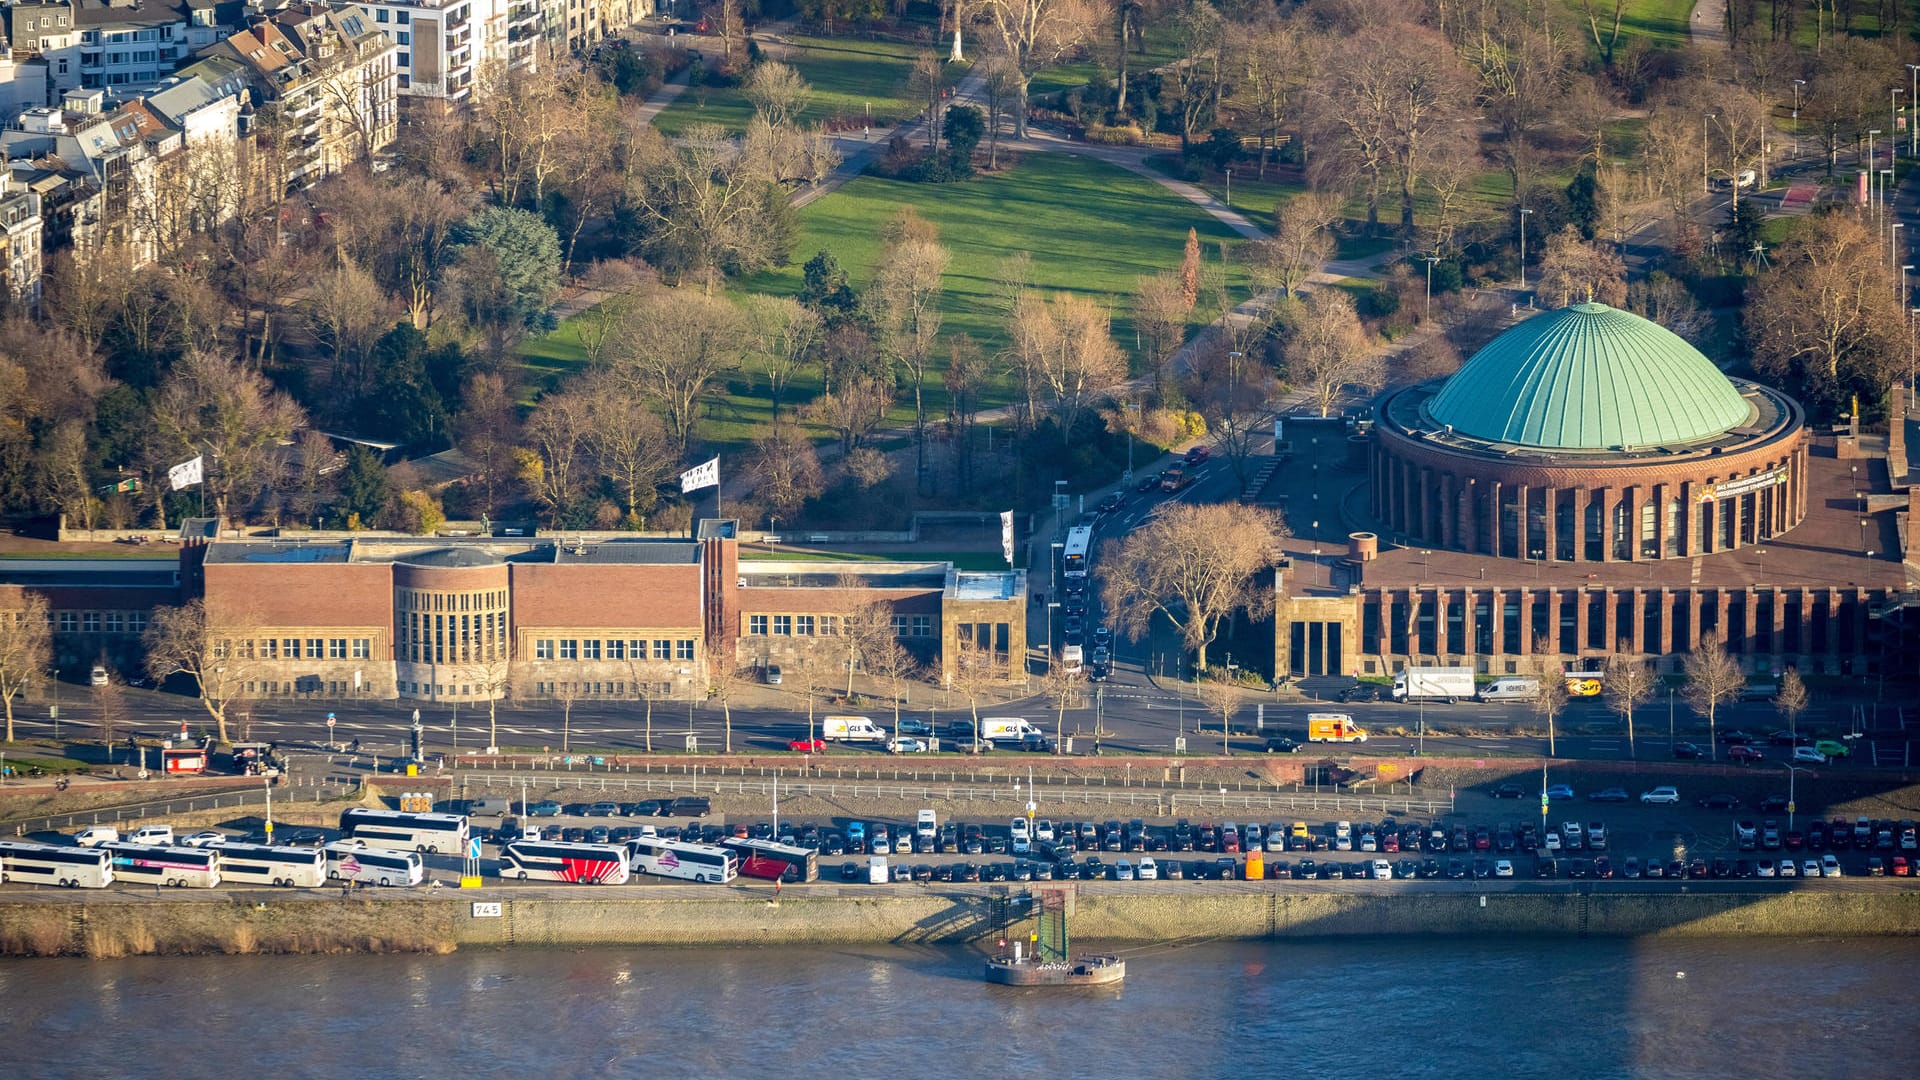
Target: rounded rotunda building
(1587, 434)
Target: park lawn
(847, 77)
(549, 360)
(1664, 23)
(1091, 229)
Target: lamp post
(1893, 123)
(267, 783)
(1884, 209)
(1872, 201)
(1913, 318)
(1913, 112)
(1797, 84)
(1523, 247)
(1706, 188)
(1431, 259)
(1792, 774)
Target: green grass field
(1091, 229)
(1662, 22)
(847, 76)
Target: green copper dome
(1589, 377)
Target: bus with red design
(352, 860)
(774, 861)
(679, 859)
(579, 864)
(176, 867)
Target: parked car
(807, 746)
(772, 674)
(1508, 791)
(1743, 754)
(1559, 791)
(1720, 801)
(1687, 751)
(1663, 794)
(1612, 794)
(544, 808)
(1809, 754)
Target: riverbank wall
(325, 921)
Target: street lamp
(1431, 259)
(1893, 122)
(267, 782)
(1884, 209)
(1523, 247)
(1792, 771)
(1871, 200)
(1797, 84)
(1913, 318)
(1913, 112)
(1705, 187)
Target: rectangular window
(405, 17)
(683, 649)
(406, 59)
(362, 648)
(783, 626)
(569, 649)
(270, 649)
(337, 648)
(403, 37)
(136, 622)
(290, 648)
(543, 649)
(900, 626)
(314, 647)
(803, 625)
(116, 622)
(381, 16)
(757, 625)
(90, 622)
(616, 649)
(637, 649)
(923, 626)
(663, 650)
(590, 649)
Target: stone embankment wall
(326, 922)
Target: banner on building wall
(188, 473)
(701, 476)
(1006, 535)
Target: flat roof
(806, 574)
(92, 573)
(975, 585)
(454, 551)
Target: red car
(808, 746)
(1744, 754)
(1198, 454)
(1901, 867)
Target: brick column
(1550, 532)
(1608, 497)
(1526, 621)
(1494, 494)
(1553, 621)
(1610, 620)
(1667, 603)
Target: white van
(156, 835)
(95, 835)
(927, 824)
(850, 729)
(1511, 689)
(877, 870)
(1148, 869)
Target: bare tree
(907, 287)
(1064, 351)
(1222, 697)
(1550, 693)
(26, 650)
(672, 347)
(348, 312)
(1160, 311)
(893, 667)
(1302, 240)
(1064, 688)
(1194, 565)
(214, 405)
(972, 672)
(785, 336)
(647, 682)
(1827, 315)
(567, 693)
(556, 468)
(865, 625)
(1629, 684)
(621, 283)
(784, 470)
(1329, 351)
(704, 198)
(1036, 34)
(628, 443)
(1790, 699)
(217, 653)
(724, 679)
(1713, 679)
(1573, 271)
(777, 93)
(110, 711)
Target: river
(1363, 1008)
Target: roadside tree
(1790, 699)
(1629, 684)
(1328, 350)
(218, 654)
(1064, 688)
(1550, 690)
(1713, 679)
(1194, 565)
(26, 650)
(1222, 697)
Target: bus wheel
(67, 883)
(523, 875)
(699, 879)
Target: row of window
(94, 37)
(612, 649)
(829, 625)
(98, 622)
(417, 600)
(602, 689)
(295, 649)
(402, 17)
(308, 687)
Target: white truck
(1006, 729)
(1072, 657)
(850, 729)
(1447, 684)
(926, 825)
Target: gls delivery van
(850, 729)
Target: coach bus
(179, 867)
(680, 859)
(261, 864)
(398, 830)
(347, 861)
(774, 861)
(580, 864)
(1073, 560)
(52, 864)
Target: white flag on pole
(188, 473)
(1006, 535)
(701, 476)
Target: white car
(1662, 794)
(1809, 754)
(906, 746)
(97, 677)
(157, 835)
(1148, 870)
(1382, 870)
(1503, 868)
(1764, 868)
(1551, 841)
(1022, 835)
(1123, 871)
(1810, 869)
(1043, 830)
(1787, 869)
(1829, 866)
(204, 838)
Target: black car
(833, 844)
(1183, 836)
(946, 872)
(1508, 791)
(1773, 804)
(852, 871)
(1361, 692)
(1113, 501)
(1306, 870)
(574, 835)
(1546, 868)
(1456, 869)
(998, 844)
(1686, 751)
(648, 807)
(1720, 801)
(1737, 738)
(305, 838)
(923, 872)
(1790, 738)
(691, 806)
(599, 834)
(1280, 744)
(1430, 868)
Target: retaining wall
(323, 921)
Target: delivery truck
(1333, 727)
(1447, 684)
(850, 729)
(1006, 729)
(1511, 688)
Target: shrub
(1115, 134)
